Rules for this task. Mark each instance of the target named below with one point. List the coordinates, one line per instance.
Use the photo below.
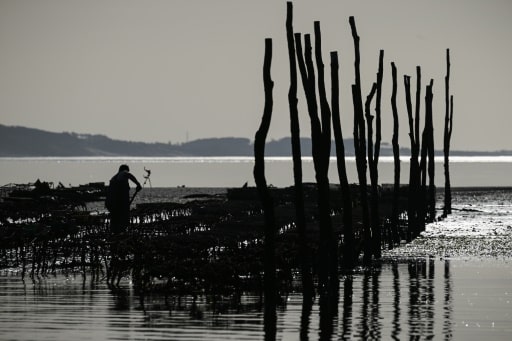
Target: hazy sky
(171, 70)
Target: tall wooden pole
(270, 286)
(360, 144)
(395, 238)
(348, 261)
(325, 110)
(419, 190)
(414, 171)
(326, 229)
(307, 71)
(431, 197)
(373, 165)
(374, 214)
(448, 126)
(304, 253)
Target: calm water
(455, 282)
(432, 298)
(234, 172)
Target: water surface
(454, 283)
(442, 299)
(235, 171)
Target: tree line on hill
(30, 142)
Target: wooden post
(431, 197)
(369, 123)
(415, 189)
(304, 253)
(427, 165)
(308, 83)
(270, 287)
(374, 172)
(348, 261)
(321, 150)
(325, 111)
(448, 127)
(413, 166)
(307, 72)
(395, 238)
(422, 202)
(326, 229)
(360, 144)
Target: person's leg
(125, 219)
(116, 222)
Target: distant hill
(21, 141)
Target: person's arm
(135, 181)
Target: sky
(179, 70)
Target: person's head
(123, 168)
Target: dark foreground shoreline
(203, 223)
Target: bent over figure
(118, 199)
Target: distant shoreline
(223, 158)
(29, 142)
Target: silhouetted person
(118, 199)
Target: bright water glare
(235, 171)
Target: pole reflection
(307, 306)
(329, 301)
(396, 300)
(430, 308)
(346, 329)
(448, 302)
(395, 332)
(375, 320)
(414, 319)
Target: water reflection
(447, 303)
(307, 307)
(375, 320)
(395, 331)
(328, 306)
(121, 299)
(394, 300)
(421, 309)
(346, 329)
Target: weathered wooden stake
(307, 72)
(360, 144)
(304, 254)
(431, 198)
(327, 261)
(374, 162)
(421, 204)
(270, 286)
(395, 238)
(369, 122)
(416, 193)
(326, 229)
(413, 169)
(348, 261)
(448, 126)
